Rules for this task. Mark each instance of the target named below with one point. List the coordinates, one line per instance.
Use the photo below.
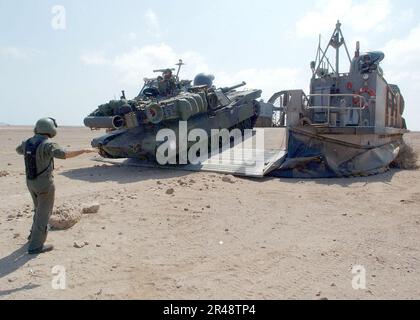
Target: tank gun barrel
(115, 122)
(227, 89)
(163, 70)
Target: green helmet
(47, 126)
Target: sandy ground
(210, 239)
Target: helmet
(47, 126)
(204, 80)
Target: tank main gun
(228, 89)
(163, 70)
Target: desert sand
(209, 237)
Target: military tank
(164, 102)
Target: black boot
(43, 249)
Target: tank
(165, 102)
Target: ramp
(244, 164)
(237, 160)
(272, 160)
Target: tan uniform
(42, 189)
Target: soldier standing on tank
(39, 152)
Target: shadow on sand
(12, 263)
(129, 173)
(385, 178)
(122, 174)
(24, 288)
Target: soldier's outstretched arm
(74, 154)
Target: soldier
(166, 84)
(39, 152)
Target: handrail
(306, 103)
(362, 101)
(362, 104)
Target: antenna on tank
(179, 64)
(357, 53)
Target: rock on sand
(229, 179)
(4, 173)
(170, 191)
(90, 208)
(64, 217)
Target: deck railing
(361, 101)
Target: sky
(62, 59)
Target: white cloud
(139, 62)
(367, 15)
(94, 59)
(132, 36)
(269, 80)
(402, 67)
(405, 52)
(152, 23)
(17, 53)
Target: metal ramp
(237, 160)
(244, 164)
(272, 160)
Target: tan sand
(165, 234)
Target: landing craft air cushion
(350, 124)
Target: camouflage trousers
(43, 198)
